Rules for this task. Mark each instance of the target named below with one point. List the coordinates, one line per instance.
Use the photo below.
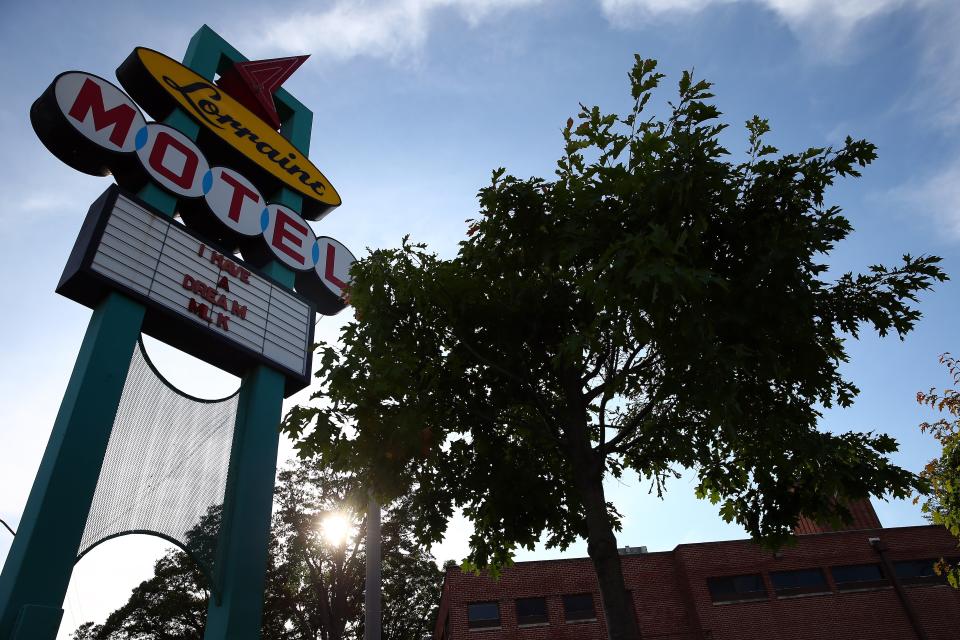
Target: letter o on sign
(234, 200)
(289, 237)
(172, 159)
(329, 283)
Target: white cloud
(395, 31)
(45, 201)
(939, 94)
(35, 202)
(827, 27)
(847, 12)
(796, 13)
(826, 23)
(937, 197)
(635, 9)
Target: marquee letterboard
(186, 284)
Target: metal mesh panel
(165, 470)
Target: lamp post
(371, 597)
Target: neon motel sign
(190, 274)
(214, 255)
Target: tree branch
(614, 376)
(595, 371)
(625, 431)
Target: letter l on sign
(331, 262)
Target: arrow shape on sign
(253, 84)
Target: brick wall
(672, 600)
(864, 517)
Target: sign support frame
(41, 559)
(37, 572)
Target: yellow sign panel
(231, 122)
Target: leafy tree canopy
(656, 306)
(942, 505)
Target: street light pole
(372, 616)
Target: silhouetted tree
(942, 504)
(655, 307)
(314, 589)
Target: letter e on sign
(172, 159)
(100, 111)
(289, 237)
(234, 200)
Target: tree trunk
(588, 469)
(602, 549)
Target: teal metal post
(245, 528)
(245, 531)
(37, 571)
(41, 559)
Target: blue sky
(416, 101)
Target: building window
(737, 588)
(483, 615)
(792, 583)
(531, 611)
(917, 572)
(579, 607)
(858, 576)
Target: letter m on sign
(90, 100)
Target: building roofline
(815, 535)
(716, 542)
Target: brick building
(861, 582)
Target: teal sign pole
(245, 532)
(37, 572)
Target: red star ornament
(253, 84)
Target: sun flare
(336, 528)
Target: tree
(654, 307)
(314, 587)
(314, 584)
(172, 605)
(942, 505)
(411, 581)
